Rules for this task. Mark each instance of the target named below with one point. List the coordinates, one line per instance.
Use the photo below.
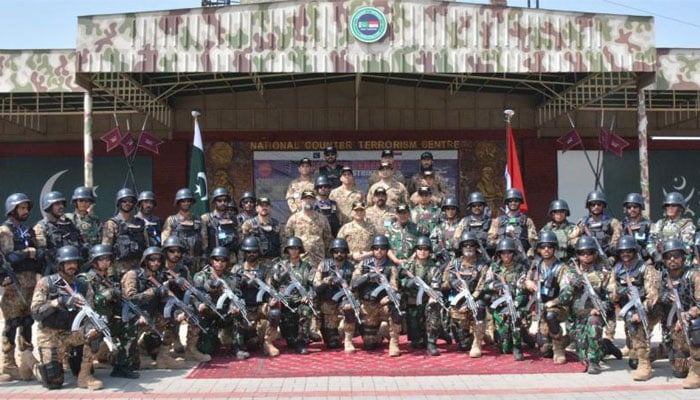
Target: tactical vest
(636, 274)
(243, 217)
(249, 291)
(88, 226)
(60, 233)
(142, 284)
(129, 242)
(479, 226)
(154, 229)
(269, 240)
(517, 225)
(23, 237)
(333, 174)
(189, 234)
(473, 279)
(601, 230)
(328, 270)
(61, 318)
(223, 231)
(329, 209)
(563, 252)
(448, 232)
(549, 280)
(365, 290)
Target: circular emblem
(368, 24)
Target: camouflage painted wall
(678, 69)
(38, 71)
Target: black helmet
(123, 193)
(506, 244)
(468, 237)
(67, 253)
(674, 199)
(380, 241)
(15, 199)
(173, 241)
(322, 180)
(476, 197)
(513, 194)
(586, 242)
(634, 198)
(423, 241)
(250, 243)
(627, 243)
(184, 194)
(672, 245)
(547, 237)
(147, 195)
(50, 198)
(596, 195)
(450, 202)
(339, 243)
(220, 251)
(82, 193)
(559, 205)
(294, 242)
(153, 250)
(100, 250)
(330, 150)
(220, 192)
(247, 196)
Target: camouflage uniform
(53, 234)
(192, 234)
(426, 218)
(314, 231)
(395, 193)
(294, 192)
(667, 228)
(344, 198)
(295, 327)
(423, 321)
(605, 229)
(358, 235)
(402, 238)
(328, 280)
(445, 238)
(472, 223)
(128, 239)
(268, 234)
(439, 187)
(396, 177)
(640, 230)
(381, 218)
(89, 225)
(563, 231)
(517, 226)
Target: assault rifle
(198, 294)
(98, 321)
(507, 298)
(345, 291)
(424, 288)
(591, 294)
(130, 306)
(386, 287)
(236, 302)
(173, 301)
(10, 273)
(536, 299)
(601, 254)
(677, 311)
(635, 301)
(265, 288)
(294, 284)
(466, 294)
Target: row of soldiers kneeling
(132, 316)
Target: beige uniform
(315, 233)
(294, 191)
(396, 193)
(358, 235)
(344, 198)
(381, 218)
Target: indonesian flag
(514, 178)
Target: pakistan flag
(198, 174)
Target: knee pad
(369, 330)
(552, 322)
(480, 311)
(274, 316)
(51, 374)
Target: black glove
(67, 302)
(215, 283)
(162, 291)
(181, 282)
(373, 276)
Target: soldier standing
(221, 226)
(375, 309)
(88, 224)
(346, 195)
(561, 226)
(379, 213)
(358, 233)
(402, 235)
(513, 224)
(635, 224)
(55, 230)
(328, 208)
(266, 229)
(21, 256)
(387, 157)
(477, 220)
(312, 228)
(188, 228)
(444, 236)
(56, 302)
(428, 180)
(598, 225)
(247, 203)
(145, 204)
(671, 226)
(300, 185)
(439, 185)
(126, 235)
(331, 170)
(395, 191)
(426, 214)
(332, 275)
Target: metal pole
(87, 138)
(508, 115)
(642, 123)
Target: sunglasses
(546, 246)
(423, 249)
(219, 259)
(675, 254)
(586, 253)
(596, 204)
(337, 251)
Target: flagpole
(129, 161)
(507, 116)
(87, 140)
(585, 152)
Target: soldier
(312, 228)
(331, 170)
(402, 235)
(142, 286)
(300, 185)
(248, 203)
(395, 190)
(87, 223)
(438, 185)
(55, 230)
(378, 306)
(443, 235)
(464, 274)
(548, 275)
(358, 233)
(379, 213)
(387, 157)
(266, 228)
(426, 214)
(332, 276)
(345, 195)
(599, 225)
(671, 226)
(56, 302)
(21, 257)
(221, 226)
(477, 220)
(325, 206)
(295, 326)
(423, 316)
(125, 234)
(266, 319)
(507, 273)
(213, 280)
(561, 226)
(685, 360)
(428, 180)
(635, 224)
(188, 228)
(145, 204)
(108, 303)
(513, 224)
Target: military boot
(394, 330)
(85, 378)
(432, 347)
(692, 381)
(475, 351)
(10, 371)
(643, 371)
(348, 332)
(26, 365)
(593, 368)
(680, 367)
(165, 361)
(518, 353)
(192, 353)
(268, 342)
(559, 354)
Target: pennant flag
(198, 174)
(616, 144)
(570, 140)
(112, 138)
(514, 178)
(604, 139)
(128, 144)
(149, 142)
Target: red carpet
(378, 363)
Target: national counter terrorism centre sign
(368, 24)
